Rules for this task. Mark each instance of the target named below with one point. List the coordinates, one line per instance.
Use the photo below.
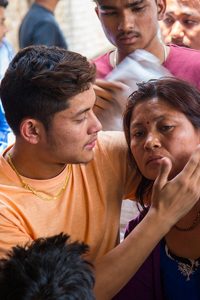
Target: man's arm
(171, 200)
(12, 232)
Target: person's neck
(190, 216)
(157, 48)
(30, 165)
(50, 5)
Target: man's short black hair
(40, 81)
(48, 269)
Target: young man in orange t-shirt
(64, 175)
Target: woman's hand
(173, 199)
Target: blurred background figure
(39, 26)
(78, 31)
(6, 54)
(181, 23)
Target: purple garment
(146, 283)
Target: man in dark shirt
(39, 26)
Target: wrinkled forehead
(191, 3)
(195, 4)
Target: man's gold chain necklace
(40, 194)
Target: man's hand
(110, 103)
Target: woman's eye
(166, 128)
(138, 134)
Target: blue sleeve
(4, 130)
(47, 33)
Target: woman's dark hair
(179, 94)
(40, 81)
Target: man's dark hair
(39, 82)
(3, 3)
(48, 269)
(180, 94)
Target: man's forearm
(170, 201)
(115, 269)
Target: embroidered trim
(186, 266)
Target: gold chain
(40, 194)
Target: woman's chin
(152, 176)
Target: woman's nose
(152, 142)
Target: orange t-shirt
(89, 209)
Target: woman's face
(158, 130)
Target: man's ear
(161, 6)
(30, 130)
